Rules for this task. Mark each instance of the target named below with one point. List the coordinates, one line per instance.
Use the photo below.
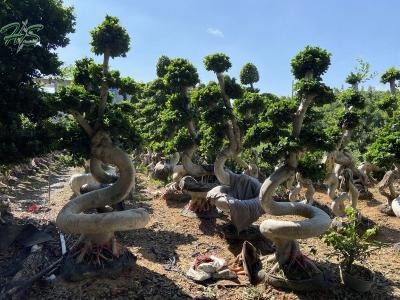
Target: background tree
(24, 113)
(385, 150)
(220, 63)
(162, 65)
(249, 75)
(128, 86)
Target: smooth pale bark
(191, 168)
(227, 102)
(302, 183)
(178, 173)
(219, 165)
(99, 173)
(396, 206)
(82, 122)
(103, 90)
(78, 180)
(393, 90)
(366, 168)
(101, 227)
(283, 233)
(387, 182)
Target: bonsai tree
(343, 166)
(179, 117)
(384, 152)
(220, 63)
(97, 230)
(249, 75)
(353, 182)
(350, 246)
(238, 193)
(389, 102)
(390, 76)
(361, 74)
(307, 66)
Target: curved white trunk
(72, 220)
(191, 168)
(283, 233)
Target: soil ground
(167, 246)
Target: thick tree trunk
(393, 90)
(284, 233)
(100, 228)
(100, 174)
(103, 90)
(191, 168)
(219, 165)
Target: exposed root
(96, 254)
(200, 205)
(298, 267)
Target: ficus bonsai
(97, 230)
(390, 76)
(385, 152)
(220, 63)
(341, 166)
(307, 66)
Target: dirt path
(171, 237)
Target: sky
(267, 33)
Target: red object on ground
(202, 259)
(33, 208)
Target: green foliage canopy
(110, 37)
(311, 59)
(218, 63)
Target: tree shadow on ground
(37, 185)
(385, 234)
(18, 235)
(252, 235)
(177, 201)
(132, 204)
(373, 202)
(156, 245)
(382, 288)
(210, 226)
(138, 283)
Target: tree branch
(82, 122)
(103, 90)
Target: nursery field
(167, 246)
(152, 159)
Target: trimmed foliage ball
(110, 37)
(354, 78)
(162, 65)
(311, 59)
(217, 63)
(349, 120)
(181, 74)
(390, 75)
(249, 74)
(351, 98)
